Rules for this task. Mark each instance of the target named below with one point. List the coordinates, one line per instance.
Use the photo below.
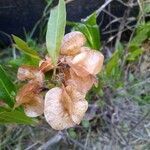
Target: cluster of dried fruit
(64, 106)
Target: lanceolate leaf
(134, 53)
(23, 46)
(56, 30)
(112, 67)
(142, 34)
(91, 22)
(7, 88)
(112, 63)
(90, 29)
(14, 116)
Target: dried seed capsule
(64, 107)
(72, 43)
(32, 101)
(54, 111)
(46, 65)
(30, 73)
(83, 84)
(36, 107)
(87, 62)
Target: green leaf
(23, 46)
(23, 60)
(119, 47)
(112, 64)
(91, 20)
(146, 99)
(142, 34)
(90, 29)
(7, 88)
(85, 123)
(56, 30)
(134, 53)
(14, 116)
(147, 7)
(72, 133)
(113, 70)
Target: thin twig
(51, 142)
(98, 11)
(68, 1)
(45, 13)
(87, 139)
(31, 146)
(77, 143)
(137, 124)
(122, 25)
(127, 4)
(118, 19)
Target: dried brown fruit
(76, 69)
(83, 84)
(83, 49)
(54, 111)
(64, 107)
(30, 73)
(46, 65)
(79, 104)
(25, 90)
(35, 107)
(72, 42)
(87, 62)
(29, 97)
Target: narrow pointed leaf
(23, 46)
(7, 88)
(56, 30)
(14, 116)
(90, 29)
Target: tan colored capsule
(83, 84)
(30, 73)
(87, 62)
(64, 107)
(36, 107)
(54, 111)
(46, 64)
(29, 97)
(72, 42)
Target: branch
(103, 7)
(52, 141)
